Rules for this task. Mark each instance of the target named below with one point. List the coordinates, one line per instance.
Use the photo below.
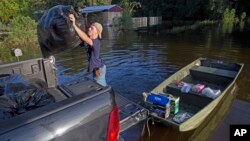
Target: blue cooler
(158, 99)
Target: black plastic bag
(20, 95)
(55, 30)
(7, 108)
(13, 84)
(29, 99)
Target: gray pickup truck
(81, 110)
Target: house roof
(101, 8)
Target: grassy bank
(20, 32)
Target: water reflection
(227, 28)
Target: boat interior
(216, 75)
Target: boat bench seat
(190, 97)
(176, 88)
(215, 71)
(212, 75)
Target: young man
(96, 64)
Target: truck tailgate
(130, 112)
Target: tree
(22, 32)
(217, 8)
(11, 8)
(127, 12)
(129, 6)
(8, 8)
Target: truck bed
(80, 107)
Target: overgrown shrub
(128, 10)
(230, 20)
(22, 34)
(229, 16)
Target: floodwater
(139, 61)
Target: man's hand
(80, 33)
(97, 72)
(73, 19)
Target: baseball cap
(99, 28)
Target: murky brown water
(139, 61)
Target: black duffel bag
(55, 30)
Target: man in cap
(92, 38)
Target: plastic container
(186, 88)
(167, 110)
(158, 99)
(198, 88)
(211, 93)
(175, 105)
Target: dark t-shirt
(94, 57)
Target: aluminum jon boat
(199, 88)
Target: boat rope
(147, 125)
